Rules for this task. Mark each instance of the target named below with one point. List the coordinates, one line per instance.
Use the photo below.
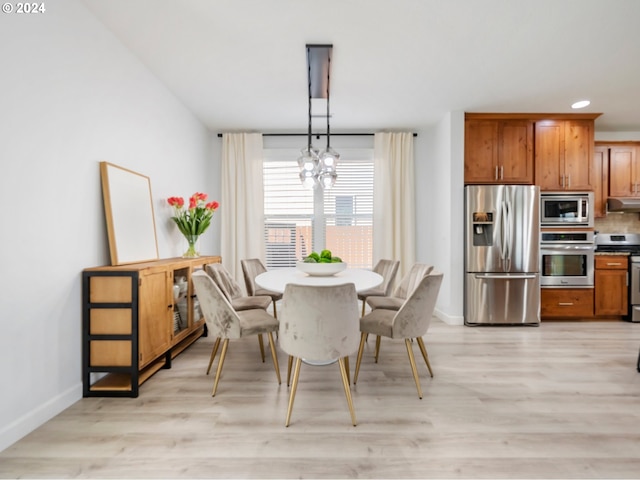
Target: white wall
(71, 96)
(440, 209)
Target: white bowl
(321, 269)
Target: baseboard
(448, 319)
(38, 416)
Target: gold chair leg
(223, 354)
(414, 368)
(294, 386)
(213, 354)
(424, 354)
(289, 365)
(261, 346)
(347, 390)
(363, 339)
(377, 347)
(275, 311)
(346, 366)
(276, 365)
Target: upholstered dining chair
(251, 268)
(393, 302)
(388, 270)
(411, 321)
(319, 325)
(233, 291)
(408, 283)
(226, 323)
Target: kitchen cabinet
(566, 302)
(498, 151)
(624, 171)
(601, 181)
(135, 319)
(564, 154)
(611, 285)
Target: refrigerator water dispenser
(482, 229)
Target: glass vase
(192, 251)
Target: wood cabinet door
(154, 315)
(515, 155)
(564, 154)
(578, 154)
(623, 171)
(601, 180)
(481, 151)
(549, 154)
(611, 289)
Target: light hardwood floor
(558, 401)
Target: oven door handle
(502, 276)
(556, 246)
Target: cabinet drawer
(611, 262)
(566, 302)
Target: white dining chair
(226, 323)
(388, 270)
(233, 292)
(320, 325)
(411, 321)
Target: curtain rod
(317, 135)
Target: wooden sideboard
(135, 319)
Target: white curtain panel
(394, 200)
(241, 201)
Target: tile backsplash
(618, 223)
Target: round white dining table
(277, 280)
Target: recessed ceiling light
(581, 104)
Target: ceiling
(397, 64)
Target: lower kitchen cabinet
(566, 302)
(135, 319)
(611, 285)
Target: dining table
(277, 279)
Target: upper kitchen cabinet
(498, 151)
(601, 176)
(564, 154)
(624, 171)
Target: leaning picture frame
(129, 215)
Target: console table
(134, 322)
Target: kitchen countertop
(624, 254)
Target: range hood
(623, 204)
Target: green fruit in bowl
(325, 254)
(336, 260)
(309, 260)
(314, 255)
(324, 260)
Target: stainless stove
(625, 243)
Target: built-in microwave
(566, 209)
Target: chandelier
(318, 167)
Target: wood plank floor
(558, 401)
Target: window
(298, 221)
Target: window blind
(298, 221)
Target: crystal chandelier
(318, 168)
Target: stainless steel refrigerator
(502, 241)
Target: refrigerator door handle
(504, 235)
(510, 276)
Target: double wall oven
(567, 240)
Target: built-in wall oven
(567, 258)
